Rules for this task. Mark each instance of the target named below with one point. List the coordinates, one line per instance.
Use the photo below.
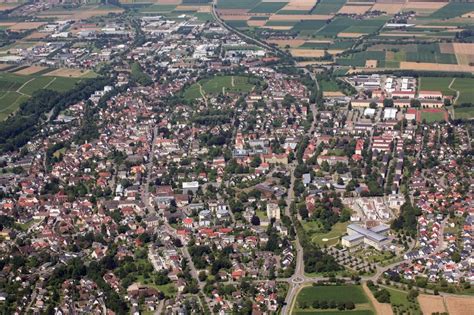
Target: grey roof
(367, 233)
(380, 228)
(353, 237)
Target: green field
(219, 84)
(401, 304)
(330, 86)
(268, 7)
(465, 88)
(156, 8)
(430, 53)
(308, 27)
(15, 89)
(463, 112)
(336, 293)
(453, 9)
(313, 228)
(431, 117)
(328, 6)
(240, 4)
(436, 84)
(314, 312)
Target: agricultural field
(328, 6)
(306, 298)
(452, 10)
(84, 12)
(465, 88)
(15, 89)
(464, 112)
(436, 84)
(216, 85)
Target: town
(170, 164)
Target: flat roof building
(375, 237)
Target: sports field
(15, 89)
(432, 116)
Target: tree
(388, 102)
(255, 220)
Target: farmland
(452, 10)
(436, 84)
(465, 88)
(311, 298)
(334, 20)
(328, 6)
(15, 89)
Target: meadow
(219, 84)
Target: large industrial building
(357, 235)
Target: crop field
(357, 312)
(84, 12)
(328, 6)
(240, 4)
(309, 27)
(465, 88)
(219, 84)
(268, 7)
(436, 84)
(452, 10)
(463, 112)
(15, 89)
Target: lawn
(313, 228)
(219, 84)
